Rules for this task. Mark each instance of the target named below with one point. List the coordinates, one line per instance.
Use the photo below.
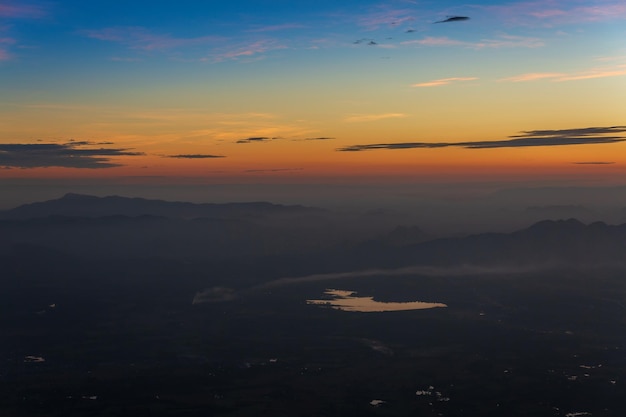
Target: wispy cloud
(595, 73)
(443, 81)
(143, 39)
(451, 19)
(276, 28)
(195, 156)
(4, 43)
(221, 48)
(257, 139)
(320, 138)
(594, 163)
(584, 131)
(14, 10)
(246, 50)
(556, 12)
(436, 41)
(583, 136)
(385, 17)
(68, 155)
(355, 118)
(533, 76)
(274, 170)
(599, 72)
(504, 41)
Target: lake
(348, 301)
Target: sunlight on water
(347, 301)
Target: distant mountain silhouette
(307, 240)
(91, 206)
(120, 227)
(548, 241)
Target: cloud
(586, 131)
(67, 155)
(389, 17)
(366, 41)
(136, 37)
(246, 50)
(256, 139)
(12, 10)
(594, 163)
(195, 156)
(372, 117)
(436, 41)
(274, 170)
(275, 28)
(600, 72)
(504, 41)
(596, 73)
(443, 81)
(454, 19)
(321, 138)
(558, 12)
(533, 76)
(584, 136)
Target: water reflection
(348, 301)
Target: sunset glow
(246, 92)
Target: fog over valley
(95, 289)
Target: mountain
(90, 206)
(549, 241)
(295, 238)
(120, 227)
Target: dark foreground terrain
(92, 324)
(101, 341)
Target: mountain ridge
(82, 205)
(133, 227)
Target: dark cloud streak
(256, 139)
(453, 19)
(320, 138)
(275, 170)
(585, 136)
(572, 132)
(260, 139)
(594, 163)
(195, 156)
(67, 155)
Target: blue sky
(151, 81)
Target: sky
(325, 92)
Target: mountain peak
(75, 196)
(81, 205)
(546, 225)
